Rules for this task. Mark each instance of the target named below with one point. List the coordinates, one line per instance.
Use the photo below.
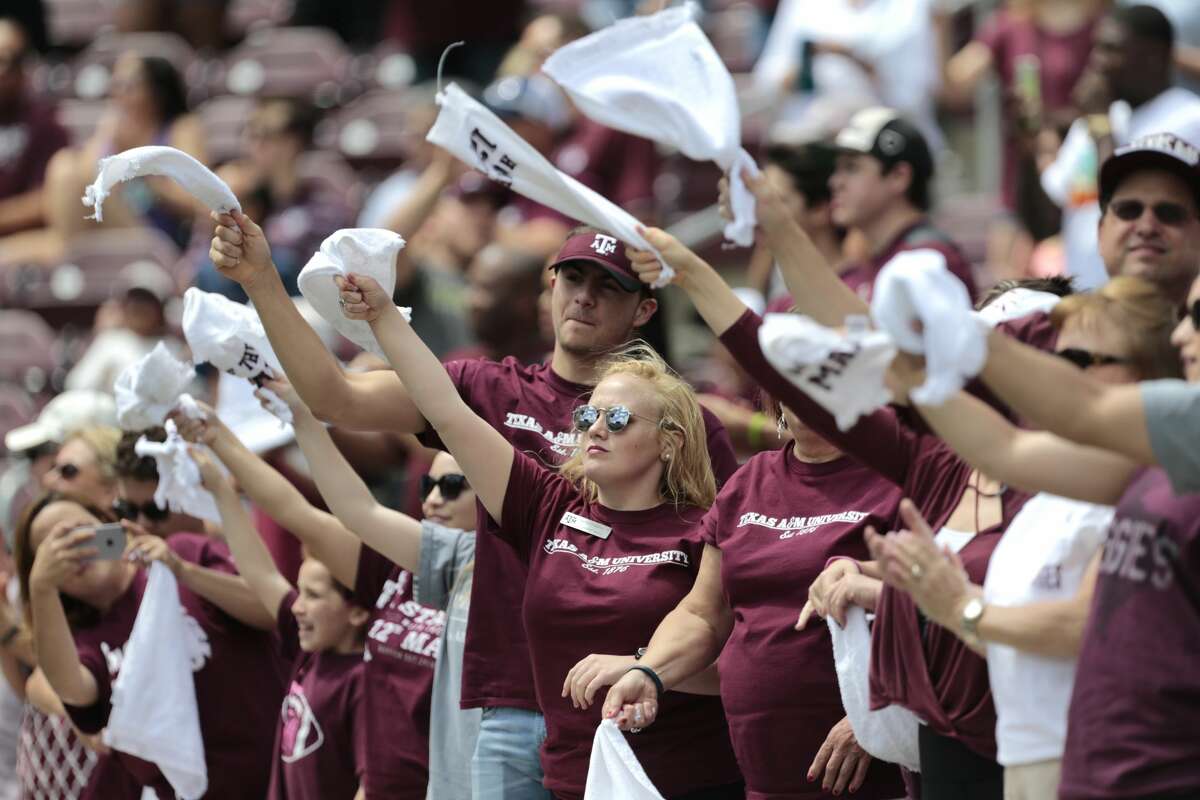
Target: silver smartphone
(109, 541)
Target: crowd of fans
(554, 495)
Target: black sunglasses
(1173, 214)
(1085, 358)
(616, 418)
(130, 511)
(68, 471)
(451, 485)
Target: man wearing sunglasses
(598, 304)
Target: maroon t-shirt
(1134, 724)
(776, 522)
(586, 594)
(531, 406)
(29, 135)
(321, 745)
(921, 235)
(238, 688)
(402, 643)
(951, 692)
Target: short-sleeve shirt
(28, 138)
(238, 687)
(1134, 725)
(1172, 409)
(403, 638)
(921, 235)
(530, 405)
(776, 522)
(608, 593)
(321, 745)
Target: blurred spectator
(1185, 17)
(31, 16)
(147, 105)
(503, 288)
(425, 29)
(29, 136)
(1039, 51)
(296, 214)
(360, 24)
(420, 110)
(543, 35)
(200, 22)
(32, 447)
(850, 55)
(1125, 93)
(127, 327)
(85, 466)
(11, 706)
(137, 480)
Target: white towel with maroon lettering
(644, 75)
(154, 711)
(614, 772)
(477, 137)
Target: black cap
(886, 135)
(1162, 151)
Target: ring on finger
(916, 570)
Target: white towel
(154, 711)
(1017, 303)
(147, 390)
(180, 488)
(197, 179)
(614, 772)
(841, 373)
(926, 310)
(476, 136)
(230, 336)
(659, 77)
(365, 251)
(889, 734)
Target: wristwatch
(972, 612)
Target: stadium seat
(74, 23)
(308, 63)
(246, 16)
(369, 130)
(16, 408)
(91, 70)
(224, 119)
(28, 353)
(332, 171)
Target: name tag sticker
(588, 526)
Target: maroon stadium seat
(76, 22)
(307, 63)
(371, 129)
(224, 119)
(91, 70)
(28, 352)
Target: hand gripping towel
(659, 77)
(476, 136)
(148, 389)
(926, 310)
(230, 336)
(365, 251)
(889, 734)
(180, 488)
(614, 772)
(841, 373)
(197, 179)
(154, 711)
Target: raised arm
(485, 456)
(367, 401)
(391, 533)
(253, 561)
(1079, 408)
(321, 533)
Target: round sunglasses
(617, 418)
(451, 485)
(1172, 214)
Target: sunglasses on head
(617, 418)
(451, 485)
(130, 511)
(1173, 214)
(1086, 358)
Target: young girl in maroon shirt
(612, 540)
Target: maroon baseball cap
(603, 250)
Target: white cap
(63, 415)
(149, 277)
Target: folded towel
(148, 389)
(197, 179)
(614, 772)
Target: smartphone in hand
(109, 541)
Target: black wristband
(658, 684)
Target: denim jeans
(507, 764)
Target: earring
(666, 456)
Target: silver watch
(971, 614)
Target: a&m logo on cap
(1167, 143)
(604, 245)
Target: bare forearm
(255, 597)
(816, 289)
(230, 593)
(21, 212)
(1051, 628)
(421, 199)
(55, 647)
(683, 646)
(706, 682)
(714, 299)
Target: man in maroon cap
(598, 304)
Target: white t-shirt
(1072, 180)
(1042, 556)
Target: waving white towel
(476, 136)
(1017, 303)
(645, 76)
(148, 389)
(180, 488)
(841, 373)
(154, 711)
(614, 772)
(925, 309)
(365, 251)
(197, 179)
(889, 734)
(230, 336)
